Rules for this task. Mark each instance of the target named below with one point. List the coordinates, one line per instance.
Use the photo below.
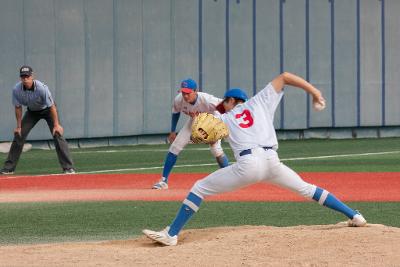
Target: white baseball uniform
(253, 140)
(204, 103)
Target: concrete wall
(114, 66)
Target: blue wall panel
(11, 57)
(214, 47)
(345, 46)
(185, 52)
(392, 58)
(99, 68)
(320, 62)
(241, 45)
(371, 64)
(294, 44)
(70, 66)
(157, 65)
(128, 72)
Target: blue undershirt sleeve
(174, 121)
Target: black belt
(37, 111)
(248, 151)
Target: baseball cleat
(162, 237)
(6, 172)
(160, 185)
(357, 221)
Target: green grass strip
(90, 221)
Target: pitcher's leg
(210, 185)
(28, 122)
(287, 178)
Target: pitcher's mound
(318, 245)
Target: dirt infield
(318, 245)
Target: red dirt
(105, 187)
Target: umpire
(36, 96)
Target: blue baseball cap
(188, 86)
(236, 93)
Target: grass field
(71, 221)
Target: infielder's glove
(207, 129)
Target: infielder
(254, 143)
(190, 102)
(40, 105)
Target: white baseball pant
(259, 166)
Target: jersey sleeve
(46, 95)
(269, 98)
(15, 100)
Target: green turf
(89, 221)
(152, 157)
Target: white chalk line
(206, 164)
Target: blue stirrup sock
(329, 200)
(169, 163)
(222, 161)
(190, 205)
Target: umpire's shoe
(69, 171)
(357, 221)
(6, 172)
(162, 237)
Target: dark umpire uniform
(36, 96)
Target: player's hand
(171, 137)
(318, 101)
(17, 131)
(194, 114)
(58, 130)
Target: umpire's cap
(236, 93)
(25, 71)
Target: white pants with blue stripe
(259, 166)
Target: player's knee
(307, 190)
(199, 190)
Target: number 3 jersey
(251, 124)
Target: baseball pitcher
(253, 139)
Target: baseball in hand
(319, 104)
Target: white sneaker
(357, 221)
(69, 171)
(162, 237)
(160, 185)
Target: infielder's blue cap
(188, 86)
(236, 93)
